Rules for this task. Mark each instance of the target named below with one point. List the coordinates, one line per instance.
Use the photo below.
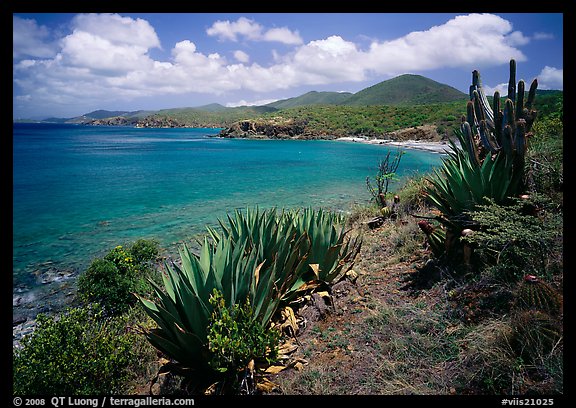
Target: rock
(274, 128)
(18, 319)
(44, 309)
(375, 222)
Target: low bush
(519, 239)
(235, 339)
(76, 353)
(112, 280)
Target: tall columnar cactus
(488, 166)
(489, 130)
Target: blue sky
(67, 64)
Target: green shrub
(104, 283)
(111, 281)
(545, 158)
(519, 239)
(77, 353)
(144, 251)
(411, 194)
(235, 338)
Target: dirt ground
(348, 343)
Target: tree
(386, 173)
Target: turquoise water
(78, 191)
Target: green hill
(212, 107)
(312, 98)
(406, 89)
(103, 114)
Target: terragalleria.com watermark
(101, 402)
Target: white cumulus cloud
(551, 78)
(106, 57)
(241, 56)
(466, 40)
(251, 30)
(243, 102)
(282, 35)
(31, 40)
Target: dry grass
(383, 339)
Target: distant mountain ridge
(407, 89)
(404, 89)
(312, 98)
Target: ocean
(78, 191)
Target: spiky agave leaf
(460, 184)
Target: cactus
(535, 334)
(490, 131)
(535, 294)
(436, 237)
(489, 163)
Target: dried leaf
(351, 275)
(290, 321)
(316, 269)
(309, 285)
(211, 390)
(324, 294)
(265, 385)
(287, 348)
(257, 273)
(274, 369)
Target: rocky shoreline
(423, 137)
(54, 291)
(438, 147)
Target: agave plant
(330, 251)
(462, 183)
(235, 269)
(257, 258)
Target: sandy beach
(438, 147)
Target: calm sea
(78, 191)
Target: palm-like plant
(462, 183)
(332, 251)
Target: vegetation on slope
(312, 98)
(406, 90)
(330, 121)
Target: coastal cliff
(278, 128)
(275, 128)
(146, 122)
